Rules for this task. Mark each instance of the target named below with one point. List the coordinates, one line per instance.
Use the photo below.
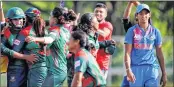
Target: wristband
(128, 69)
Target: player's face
(18, 22)
(95, 24)
(52, 21)
(143, 16)
(100, 13)
(72, 44)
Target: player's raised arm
(2, 18)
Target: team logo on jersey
(12, 79)
(152, 37)
(77, 63)
(17, 42)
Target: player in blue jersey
(140, 60)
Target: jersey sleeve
(4, 47)
(158, 39)
(4, 50)
(80, 64)
(127, 24)
(129, 37)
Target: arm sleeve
(19, 42)
(4, 49)
(51, 36)
(80, 64)
(129, 37)
(158, 38)
(127, 24)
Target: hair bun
(70, 16)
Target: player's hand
(163, 80)
(29, 39)
(78, 16)
(135, 2)
(32, 58)
(130, 76)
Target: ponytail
(39, 28)
(70, 16)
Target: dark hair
(28, 20)
(81, 36)
(85, 23)
(62, 15)
(101, 5)
(39, 28)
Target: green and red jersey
(7, 43)
(58, 49)
(93, 41)
(86, 63)
(31, 47)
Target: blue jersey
(143, 44)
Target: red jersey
(102, 57)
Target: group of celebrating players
(45, 56)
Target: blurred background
(162, 17)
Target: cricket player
(37, 71)
(87, 71)
(17, 68)
(57, 38)
(140, 60)
(105, 33)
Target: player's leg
(36, 76)
(152, 77)
(139, 75)
(17, 76)
(54, 80)
(59, 79)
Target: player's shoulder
(156, 30)
(57, 28)
(133, 28)
(82, 54)
(6, 32)
(26, 31)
